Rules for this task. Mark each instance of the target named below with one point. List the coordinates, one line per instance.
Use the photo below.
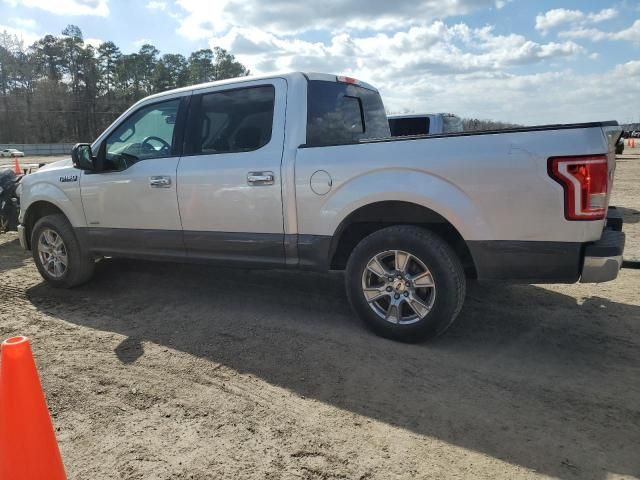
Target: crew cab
(299, 171)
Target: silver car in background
(11, 152)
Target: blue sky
(515, 60)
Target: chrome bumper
(22, 235)
(603, 259)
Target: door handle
(260, 178)
(160, 182)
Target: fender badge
(69, 178)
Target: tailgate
(612, 135)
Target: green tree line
(60, 89)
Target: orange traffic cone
(16, 166)
(28, 448)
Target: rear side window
(343, 113)
(409, 126)
(231, 121)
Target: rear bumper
(603, 259)
(552, 262)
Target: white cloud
(602, 15)
(156, 5)
(631, 34)
(550, 97)
(24, 35)
(27, 23)
(141, 41)
(439, 67)
(435, 48)
(66, 7)
(94, 42)
(562, 16)
(204, 19)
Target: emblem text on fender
(69, 178)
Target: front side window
(148, 133)
(233, 121)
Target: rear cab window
(340, 113)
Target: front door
(229, 188)
(131, 204)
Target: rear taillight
(585, 183)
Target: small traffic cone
(28, 447)
(16, 166)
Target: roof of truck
(250, 78)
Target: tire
(79, 265)
(431, 261)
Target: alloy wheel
(398, 287)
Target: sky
(520, 61)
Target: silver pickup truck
(299, 171)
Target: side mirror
(82, 157)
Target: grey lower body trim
(233, 248)
(526, 261)
(313, 252)
(263, 250)
(515, 261)
(130, 242)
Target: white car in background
(424, 124)
(11, 152)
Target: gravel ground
(167, 371)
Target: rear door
(229, 182)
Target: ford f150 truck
(299, 171)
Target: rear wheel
(406, 283)
(57, 253)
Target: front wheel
(57, 253)
(405, 283)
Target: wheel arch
(375, 216)
(35, 211)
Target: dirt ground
(162, 371)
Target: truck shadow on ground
(527, 375)
(630, 215)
